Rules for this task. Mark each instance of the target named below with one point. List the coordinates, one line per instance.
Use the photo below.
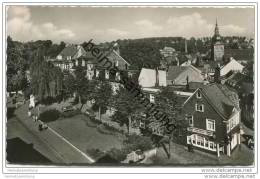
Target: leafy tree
(167, 103)
(46, 79)
(81, 85)
(68, 87)
(126, 107)
(101, 94)
(15, 66)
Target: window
(210, 125)
(97, 73)
(206, 143)
(190, 119)
(211, 145)
(117, 63)
(200, 140)
(188, 139)
(199, 107)
(107, 74)
(198, 94)
(151, 98)
(228, 127)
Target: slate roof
(69, 50)
(72, 51)
(240, 54)
(174, 71)
(221, 98)
(238, 81)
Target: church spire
(216, 28)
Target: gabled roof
(222, 99)
(175, 71)
(148, 78)
(115, 55)
(73, 51)
(69, 50)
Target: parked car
(68, 108)
(249, 141)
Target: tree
(101, 94)
(15, 66)
(167, 103)
(68, 87)
(126, 108)
(46, 79)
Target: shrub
(102, 129)
(95, 108)
(10, 112)
(118, 154)
(71, 113)
(135, 142)
(95, 153)
(49, 115)
(48, 100)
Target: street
(48, 142)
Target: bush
(49, 115)
(48, 100)
(101, 128)
(71, 113)
(135, 142)
(10, 112)
(95, 108)
(95, 153)
(118, 154)
(90, 123)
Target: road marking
(82, 153)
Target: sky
(79, 24)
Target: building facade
(213, 115)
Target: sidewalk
(59, 145)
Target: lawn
(180, 156)
(76, 130)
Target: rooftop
(222, 99)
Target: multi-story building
(213, 114)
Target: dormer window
(198, 94)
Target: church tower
(217, 47)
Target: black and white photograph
(129, 86)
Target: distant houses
(210, 108)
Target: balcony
(200, 131)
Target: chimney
(186, 49)
(217, 74)
(156, 77)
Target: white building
(233, 65)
